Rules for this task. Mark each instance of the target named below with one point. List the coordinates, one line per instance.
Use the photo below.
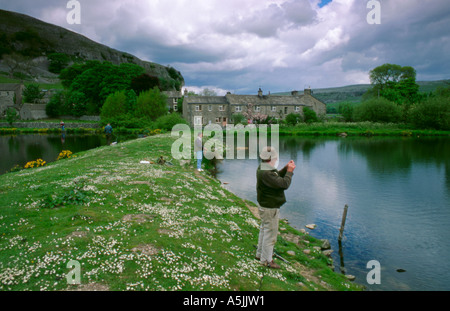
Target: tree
(395, 83)
(208, 92)
(144, 82)
(32, 94)
(54, 108)
(151, 104)
(58, 61)
(115, 105)
(98, 80)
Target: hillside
(28, 41)
(354, 93)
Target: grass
(333, 128)
(141, 227)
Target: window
(218, 120)
(198, 121)
(274, 108)
(175, 100)
(238, 109)
(175, 107)
(221, 108)
(198, 108)
(297, 108)
(285, 110)
(209, 107)
(257, 108)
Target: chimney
(185, 92)
(294, 93)
(308, 91)
(260, 92)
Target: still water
(20, 149)
(398, 193)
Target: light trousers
(268, 233)
(199, 156)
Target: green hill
(28, 44)
(354, 93)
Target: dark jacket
(271, 184)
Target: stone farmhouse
(203, 110)
(10, 96)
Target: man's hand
(291, 166)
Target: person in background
(108, 129)
(270, 187)
(198, 149)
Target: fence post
(344, 216)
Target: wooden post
(344, 216)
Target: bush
(293, 119)
(167, 122)
(115, 105)
(309, 115)
(434, 113)
(55, 106)
(151, 104)
(346, 110)
(32, 94)
(128, 121)
(378, 110)
(11, 115)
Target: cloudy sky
(278, 45)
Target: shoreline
(332, 129)
(154, 227)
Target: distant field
(354, 93)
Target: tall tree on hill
(395, 83)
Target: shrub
(11, 115)
(346, 110)
(293, 119)
(55, 106)
(32, 94)
(309, 115)
(115, 105)
(33, 164)
(167, 122)
(65, 154)
(378, 110)
(434, 113)
(151, 104)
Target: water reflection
(20, 149)
(398, 195)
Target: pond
(398, 196)
(20, 149)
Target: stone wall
(40, 125)
(33, 112)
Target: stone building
(10, 96)
(172, 99)
(203, 110)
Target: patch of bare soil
(138, 218)
(146, 249)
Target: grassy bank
(134, 226)
(357, 129)
(330, 128)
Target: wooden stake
(344, 216)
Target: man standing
(270, 187)
(198, 149)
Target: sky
(239, 46)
